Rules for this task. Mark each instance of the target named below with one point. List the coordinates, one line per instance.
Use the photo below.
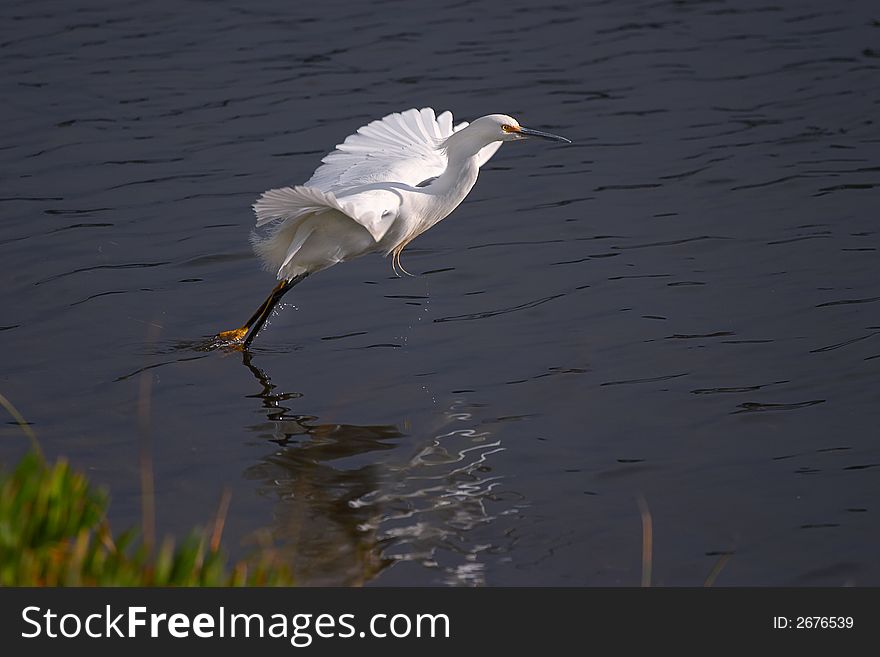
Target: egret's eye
(507, 128)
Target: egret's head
(507, 128)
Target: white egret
(380, 189)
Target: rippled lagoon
(682, 307)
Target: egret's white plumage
(371, 180)
(380, 189)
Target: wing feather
(444, 123)
(400, 148)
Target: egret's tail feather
(304, 229)
(287, 207)
(271, 245)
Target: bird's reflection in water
(439, 505)
(343, 517)
(321, 534)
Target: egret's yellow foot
(235, 335)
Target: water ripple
(757, 407)
(501, 311)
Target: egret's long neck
(462, 165)
(434, 201)
(463, 145)
(444, 194)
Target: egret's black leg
(259, 318)
(255, 323)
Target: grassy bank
(54, 532)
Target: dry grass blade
(647, 541)
(35, 444)
(220, 519)
(148, 495)
(716, 569)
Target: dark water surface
(683, 305)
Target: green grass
(54, 532)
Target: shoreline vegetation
(54, 532)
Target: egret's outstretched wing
(400, 148)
